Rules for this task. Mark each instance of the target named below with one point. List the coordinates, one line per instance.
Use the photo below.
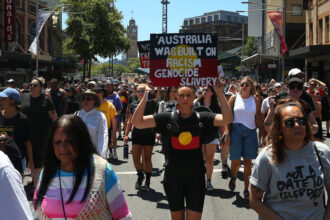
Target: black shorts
(143, 137)
(185, 185)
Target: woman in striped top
(75, 182)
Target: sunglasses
(87, 98)
(141, 91)
(298, 86)
(206, 90)
(291, 122)
(245, 84)
(33, 85)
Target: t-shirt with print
(108, 110)
(185, 151)
(294, 189)
(124, 99)
(18, 128)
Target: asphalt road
(219, 204)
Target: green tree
(250, 47)
(95, 29)
(104, 68)
(133, 64)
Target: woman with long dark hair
(210, 100)
(184, 179)
(289, 175)
(75, 182)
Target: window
(235, 19)
(311, 34)
(18, 3)
(297, 10)
(17, 32)
(216, 17)
(228, 18)
(203, 19)
(191, 21)
(197, 20)
(242, 20)
(320, 31)
(185, 23)
(209, 18)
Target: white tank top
(245, 111)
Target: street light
(278, 7)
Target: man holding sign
(183, 59)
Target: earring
(280, 137)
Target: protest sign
(183, 59)
(144, 53)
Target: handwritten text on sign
(183, 59)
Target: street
(219, 204)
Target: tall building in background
(228, 25)
(132, 30)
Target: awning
(144, 70)
(310, 51)
(259, 59)
(230, 55)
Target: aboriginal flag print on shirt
(185, 139)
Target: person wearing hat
(297, 73)
(11, 83)
(295, 91)
(40, 110)
(278, 88)
(16, 126)
(110, 113)
(91, 84)
(95, 121)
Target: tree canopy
(94, 28)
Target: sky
(148, 13)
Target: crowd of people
(65, 134)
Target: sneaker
(138, 184)
(115, 157)
(225, 171)
(209, 186)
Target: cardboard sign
(183, 59)
(9, 20)
(144, 53)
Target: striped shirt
(52, 203)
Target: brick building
(15, 59)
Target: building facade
(316, 53)
(229, 26)
(268, 63)
(132, 33)
(15, 59)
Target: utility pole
(164, 20)
(37, 58)
(283, 58)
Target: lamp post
(277, 7)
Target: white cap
(277, 85)
(92, 82)
(295, 71)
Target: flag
(42, 18)
(277, 20)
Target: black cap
(294, 80)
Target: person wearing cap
(11, 83)
(297, 73)
(278, 88)
(110, 113)
(124, 96)
(295, 91)
(95, 121)
(16, 125)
